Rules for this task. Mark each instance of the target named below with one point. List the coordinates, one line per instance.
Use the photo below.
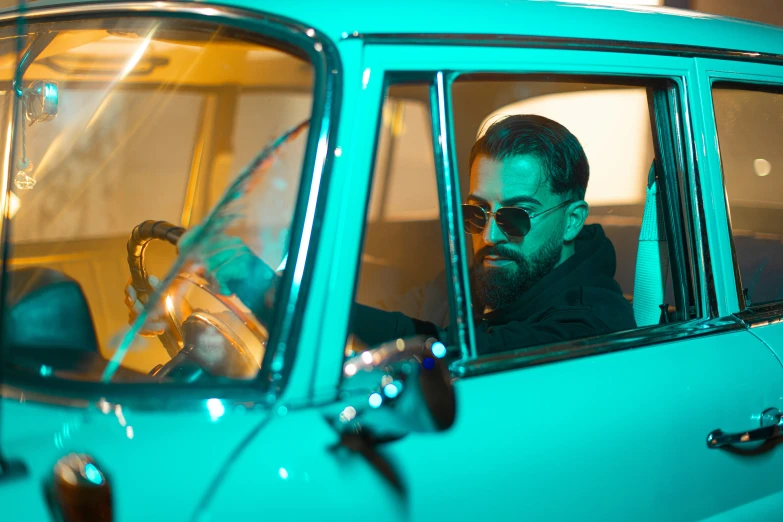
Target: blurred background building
(766, 11)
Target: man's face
(505, 267)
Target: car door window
(402, 270)
(618, 273)
(749, 120)
(629, 279)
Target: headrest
(47, 309)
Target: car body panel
(770, 329)
(307, 475)
(558, 440)
(188, 465)
(612, 436)
(167, 458)
(590, 20)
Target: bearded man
(539, 275)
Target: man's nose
(492, 233)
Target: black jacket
(578, 299)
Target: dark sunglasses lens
(514, 221)
(473, 219)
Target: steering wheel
(223, 344)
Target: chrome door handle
(771, 428)
(79, 490)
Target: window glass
(553, 257)
(749, 121)
(94, 174)
(531, 136)
(164, 121)
(402, 267)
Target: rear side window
(749, 120)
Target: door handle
(79, 490)
(771, 428)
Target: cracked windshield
(155, 168)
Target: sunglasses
(513, 221)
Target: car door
(612, 427)
(746, 101)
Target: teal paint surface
(612, 437)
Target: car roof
(597, 20)
(544, 18)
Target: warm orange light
(13, 204)
(170, 305)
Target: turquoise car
(142, 141)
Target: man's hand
(155, 323)
(225, 261)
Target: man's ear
(576, 214)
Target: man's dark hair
(561, 154)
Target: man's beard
(494, 288)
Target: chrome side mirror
(397, 388)
(42, 101)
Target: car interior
(398, 224)
(152, 123)
(613, 124)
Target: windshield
(155, 169)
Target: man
(539, 274)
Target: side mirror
(397, 388)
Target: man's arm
(564, 325)
(239, 271)
(428, 302)
(373, 326)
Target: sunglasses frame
(488, 214)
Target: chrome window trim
(693, 204)
(696, 210)
(451, 214)
(666, 119)
(559, 42)
(762, 315)
(598, 345)
(326, 104)
(734, 261)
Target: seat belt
(652, 260)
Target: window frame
(663, 102)
(748, 76)
(670, 160)
(431, 54)
(448, 198)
